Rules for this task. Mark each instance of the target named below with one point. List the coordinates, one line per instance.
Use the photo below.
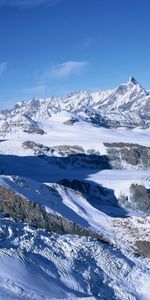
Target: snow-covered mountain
(75, 197)
(126, 106)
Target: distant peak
(133, 80)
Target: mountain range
(126, 106)
(75, 197)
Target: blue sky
(53, 47)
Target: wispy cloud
(3, 67)
(87, 43)
(28, 3)
(26, 92)
(36, 90)
(65, 70)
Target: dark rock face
(96, 118)
(132, 154)
(139, 199)
(70, 156)
(34, 130)
(21, 209)
(94, 193)
(119, 155)
(29, 145)
(62, 150)
(143, 248)
(71, 121)
(65, 150)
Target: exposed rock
(34, 130)
(96, 118)
(143, 247)
(65, 150)
(134, 232)
(62, 150)
(123, 154)
(71, 121)
(93, 151)
(67, 156)
(20, 208)
(22, 123)
(30, 145)
(138, 199)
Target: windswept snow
(42, 266)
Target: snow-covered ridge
(126, 106)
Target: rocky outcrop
(143, 248)
(62, 150)
(71, 121)
(138, 199)
(30, 145)
(22, 123)
(67, 156)
(124, 155)
(65, 150)
(20, 208)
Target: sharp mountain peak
(133, 80)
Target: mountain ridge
(128, 105)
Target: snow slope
(38, 265)
(42, 266)
(82, 134)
